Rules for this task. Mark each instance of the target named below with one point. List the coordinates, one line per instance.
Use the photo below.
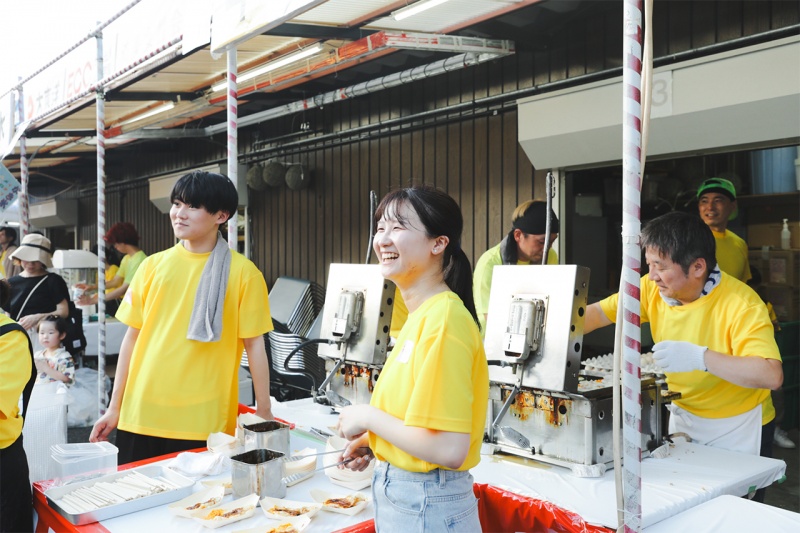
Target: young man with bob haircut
(190, 312)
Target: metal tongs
(293, 478)
(299, 457)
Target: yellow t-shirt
(179, 388)
(111, 273)
(15, 362)
(399, 314)
(732, 320)
(2, 268)
(436, 378)
(482, 279)
(732, 255)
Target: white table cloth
(729, 513)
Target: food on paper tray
(228, 513)
(343, 503)
(278, 509)
(349, 504)
(205, 499)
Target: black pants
(16, 501)
(767, 434)
(135, 447)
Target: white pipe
(233, 152)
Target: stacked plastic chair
(295, 305)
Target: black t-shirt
(43, 300)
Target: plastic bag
(82, 405)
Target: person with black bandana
(524, 245)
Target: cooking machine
(541, 404)
(355, 321)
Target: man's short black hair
(682, 237)
(209, 190)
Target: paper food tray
(267, 504)
(299, 523)
(322, 496)
(104, 513)
(248, 504)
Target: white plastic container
(79, 458)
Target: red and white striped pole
(233, 136)
(100, 99)
(24, 221)
(631, 263)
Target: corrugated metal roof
(186, 79)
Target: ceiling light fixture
(148, 114)
(272, 65)
(415, 9)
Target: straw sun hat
(34, 247)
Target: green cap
(720, 185)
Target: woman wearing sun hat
(35, 292)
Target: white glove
(679, 356)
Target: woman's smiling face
(402, 245)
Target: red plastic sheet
(502, 511)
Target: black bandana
(533, 221)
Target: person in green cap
(717, 205)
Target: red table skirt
(501, 510)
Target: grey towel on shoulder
(205, 325)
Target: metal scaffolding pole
(24, 221)
(101, 229)
(629, 291)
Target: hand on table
(679, 356)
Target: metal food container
(258, 471)
(185, 485)
(271, 435)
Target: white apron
(740, 433)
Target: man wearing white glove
(713, 336)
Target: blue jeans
(417, 502)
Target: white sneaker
(782, 440)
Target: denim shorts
(423, 502)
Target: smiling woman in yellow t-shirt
(425, 421)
